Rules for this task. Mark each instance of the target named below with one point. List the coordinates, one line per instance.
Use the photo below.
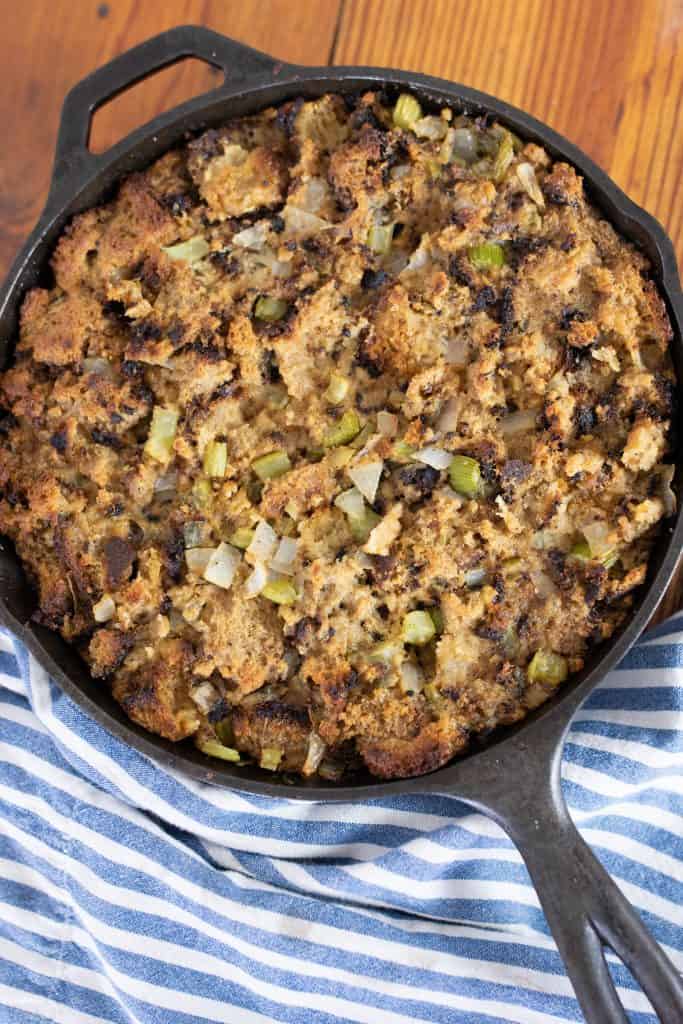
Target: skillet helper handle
(586, 911)
(237, 61)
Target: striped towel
(130, 893)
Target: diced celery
(269, 309)
(242, 538)
(362, 526)
(192, 251)
(407, 111)
(418, 628)
(159, 443)
(270, 758)
(272, 465)
(215, 459)
(202, 491)
(582, 552)
(437, 618)
(343, 431)
(402, 452)
(547, 667)
(337, 389)
(486, 255)
(215, 749)
(380, 237)
(386, 652)
(512, 566)
(504, 157)
(360, 438)
(465, 476)
(280, 591)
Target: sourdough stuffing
(364, 295)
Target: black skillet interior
(515, 778)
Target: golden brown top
(341, 435)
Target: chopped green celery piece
(582, 552)
(486, 255)
(380, 237)
(407, 111)
(418, 628)
(547, 667)
(192, 251)
(215, 749)
(215, 458)
(360, 439)
(344, 430)
(431, 693)
(224, 731)
(202, 491)
(337, 389)
(272, 465)
(280, 591)
(241, 538)
(437, 618)
(341, 456)
(254, 491)
(465, 476)
(159, 443)
(504, 157)
(269, 309)
(315, 454)
(402, 451)
(270, 758)
(362, 526)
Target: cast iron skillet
(516, 778)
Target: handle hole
(147, 99)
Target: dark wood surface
(606, 73)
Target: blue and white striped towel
(129, 893)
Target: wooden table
(606, 73)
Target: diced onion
(257, 580)
(387, 423)
(204, 696)
(351, 503)
(263, 544)
(197, 559)
(475, 578)
(437, 458)
(543, 584)
(313, 195)
(253, 237)
(104, 610)
(412, 679)
(666, 493)
(527, 176)
(463, 145)
(519, 422)
(449, 416)
(457, 352)
(97, 365)
(430, 128)
(285, 556)
(299, 221)
(418, 260)
(192, 251)
(366, 477)
(315, 754)
(222, 565)
(166, 483)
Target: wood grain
(45, 48)
(606, 73)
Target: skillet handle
(237, 61)
(585, 909)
